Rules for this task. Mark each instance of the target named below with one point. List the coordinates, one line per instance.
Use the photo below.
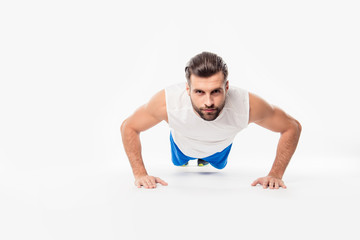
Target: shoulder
(176, 96)
(175, 89)
(238, 100)
(157, 105)
(237, 93)
(259, 108)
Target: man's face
(207, 95)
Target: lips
(208, 110)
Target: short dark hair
(205, 64)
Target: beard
(208, 116)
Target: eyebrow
(211, 90)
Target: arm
(142, 119)
(275, 119)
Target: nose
(209, 102)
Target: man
(204, 115)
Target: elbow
(294, 128)
(123, 126)
(126, 128)
(297, 127)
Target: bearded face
(208, 95)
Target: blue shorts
(217, 160)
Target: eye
(216, 91)
(198, 91)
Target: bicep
(268, 116)
(277, 121)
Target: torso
(199, 138)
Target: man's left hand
(269, 181)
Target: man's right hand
(149, 181)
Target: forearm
(285, 150)
(132, 146)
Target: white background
(72, 71)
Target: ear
(188, 88)
(227, 85)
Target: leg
(219, 159)
(177, 157)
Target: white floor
(101, 202)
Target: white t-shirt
(197, 137)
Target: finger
(277, 185)
(282, 184)
(149, 183)
(255, 182)
(265, 183)
(153, 182)
(145, 183)
(162, 182)
(271, 184)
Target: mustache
(209, 107)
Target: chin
(209, 117)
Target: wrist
(139, 171)
(139, 175)
(275, 175)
